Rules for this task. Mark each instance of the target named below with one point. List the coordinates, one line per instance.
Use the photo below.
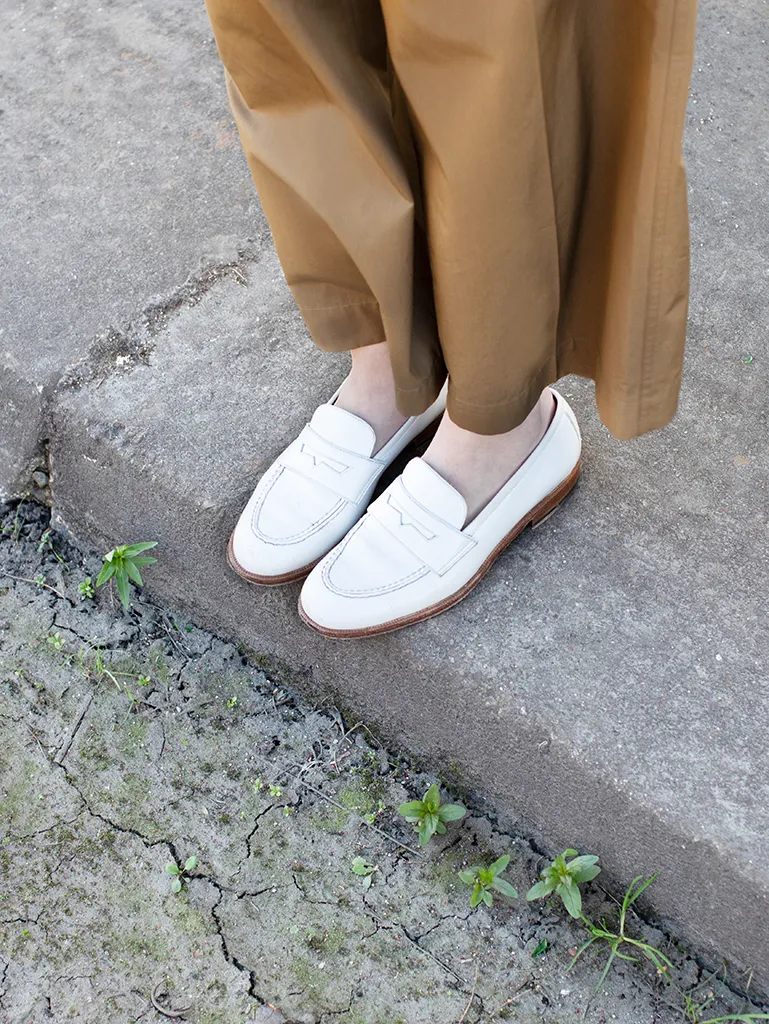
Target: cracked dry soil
(132, 740)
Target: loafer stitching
(295, 538)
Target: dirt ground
(134, 740)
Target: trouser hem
(344, 327)
(502, 416)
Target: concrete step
(122, 177)
(603, 685)
(608, 683)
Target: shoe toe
(360, 584)
(284, 527)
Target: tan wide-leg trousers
(493, 187)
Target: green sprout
(46, 542)
(364, 868)
(484, 879)
(179, 873)
(123, 563)
(564, 878)
(429, 816)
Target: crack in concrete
(337, 1013)
(308, 899)
(439, 922)
(177, 860)
(117, 350)
(48, 828)
(229, 956)
(23, 920)
(444, 966)
(3, 990)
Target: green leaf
(123, 587)
(440, 828)
(580, 863)
(505, 888)
(361, 866)
(487, 898)
(143, 560)
(571, 897)
(467, 875)
(499, 865)
(432, 799)
(176, 885)
(477, 896)
(190, 864)
(570, 853)
(172, 869)
(135, 549)
(633, 893)
(133, 572)
(540, 948)
(541, 889)
(585, 874)
(108, 570)
(412, 811)
(452, 812)
(427, 828)
(585, 860)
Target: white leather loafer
(314, 492)
(410, 557)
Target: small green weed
(47, 543)
(539, 949)
(564, 878)
(484, 879)
(429, 816)
(179, 873)
(364, 868)
(275, 791)
(56, 641)
(85, 589)
(601, 933)
(693, 1009)
(123, 563)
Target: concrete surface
(121, 178)
(608, 681)
(171, 747)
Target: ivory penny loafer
(410, 557)
(314, 492)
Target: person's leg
(472, 77)
(333, 163)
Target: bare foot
(369, 392)
(478, 465)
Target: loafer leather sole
(534, 516)
(265, 581)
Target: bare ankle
(479, 465)
(369, 392)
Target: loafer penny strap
(434, 542)
(345, 473)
